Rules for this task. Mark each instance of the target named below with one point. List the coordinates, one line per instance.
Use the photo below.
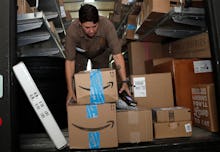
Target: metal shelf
(32, 37)
(29, 35)
(189, 16)
(45, 48)
(52, 6)
(38, 52)
(175, 33)
(178, 23)
(31, 21)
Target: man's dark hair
(88, 13)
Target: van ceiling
(104, 6)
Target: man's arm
(69, 71)
(120, 67)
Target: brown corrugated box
(171, 114)
(134, 126)
(139, 52)
(184, 77)
(23, 7)
(196, 46)
(151, 12)
(105, 86)
(92, 126)
(204, 103)
(131, 27)
(153, 90)
(149, 64)
(172, 129)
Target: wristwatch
(126, 81)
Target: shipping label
(140, 87)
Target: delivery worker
(92, 37)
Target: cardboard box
(92, 126)
(134, 126)
(204, 105)
(23, 7)
(196, 46)
(153, 90)
(96, 86)
(172, 129)
(131, 27)
(186, 73)
(171, 114)
(139, 52)
(149, 64)
(151, 12)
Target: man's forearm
(69, 71)
(120, 66)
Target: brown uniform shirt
(80, 48)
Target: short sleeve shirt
(105, 38)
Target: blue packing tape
(131, 27)
(96, 87)
(91, 111)
(94, 140)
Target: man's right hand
(71, 98)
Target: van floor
(201, 141)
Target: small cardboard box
(134, 126)
(204, 107)
(96, 86)
(172, 129)
(131, 27)
(171, 114)
(92, 126)
(153, 90)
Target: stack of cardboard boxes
(172, 122)
(188, 61)
(92, 120)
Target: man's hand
(120, 67)
(125, 87)
(69, 71)
(71, 98)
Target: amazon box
(204, 107)
(134, 126)
(92, 126)
(172, 129)
(153, 90)
(171, 114)
(96, 86)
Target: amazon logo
(108, 85)
(109, 124)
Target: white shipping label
(140, 87)
(188, 127)
(1, 86)
(202, 66)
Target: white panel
(1, 86)
(39, 105)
